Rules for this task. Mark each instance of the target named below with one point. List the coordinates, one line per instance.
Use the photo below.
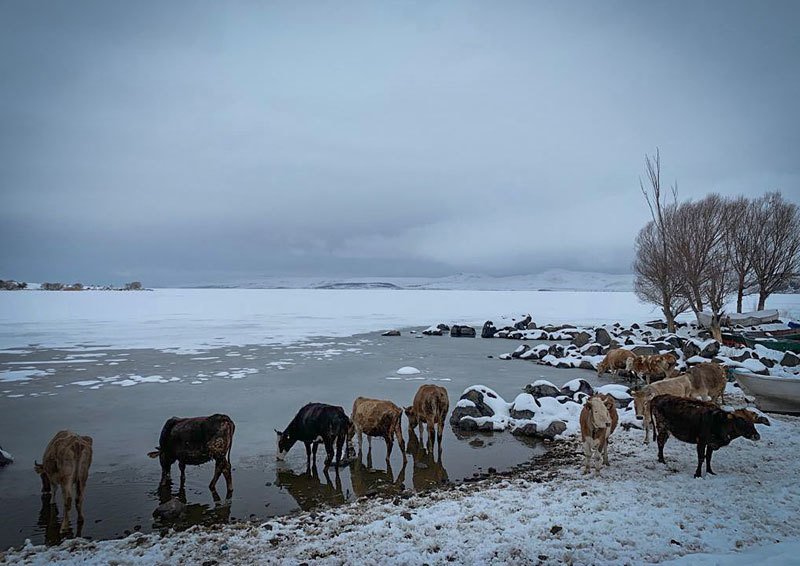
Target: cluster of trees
(697, 255)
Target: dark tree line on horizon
(697, 254)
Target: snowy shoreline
(636, 510)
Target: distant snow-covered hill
(550, 280)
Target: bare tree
(740, 237)
(776, 257)
(696, 234)
(655, 277)
(656, 280)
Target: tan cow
(375, 417)
(430, 407)
(679, 386)
(614, 361)
(708, 381)
(598, 420)
(652, 368)
(66, 464)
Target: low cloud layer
(207, 142)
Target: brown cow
(430, 406)
(614, 361)
(375, 417)
(677, 386)
(652, 368)
(66, 464)
(707, 380)
(598, 420)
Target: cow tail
(231, 430)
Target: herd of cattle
(672, 405)
(685, 405)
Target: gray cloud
(179, 143)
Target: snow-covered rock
(408, 370)
(5, 457)
(542, 388)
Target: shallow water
(125, 419)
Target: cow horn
(279, 432)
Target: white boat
(772, 394)
(741, 319)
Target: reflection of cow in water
(427, 471)
(308, 490)
(368, 481)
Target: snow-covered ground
(634, 511)
(194, 320)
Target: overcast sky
(182, 143)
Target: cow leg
(79, 489)
(420, 428)
(398, 432)
(369, 444)
(605, 451)
(66, 491)
(360, 439)
(587, 455)
(166, 469)
(339, 444)
(663, 435)
(182, 468)
(389, 445)
(218, 465)
(709, 452)
(314, 447)
(226, 471)
(440, 429)
(328, 452)
(431, 432)
(701, 450)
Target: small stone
(492, 470)
(406, 515)
(673, 541)
(555, 529)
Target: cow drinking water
(66, 464)
(430, 407)
(379, 418)
(313, 424)
(195, 441)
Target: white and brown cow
(379, 418)
(708, 381)
(65, 464)
(430, 406)
(598, 420)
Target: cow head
(600, 416)
(739, 426)
(640, 399)
(412, 417)
(285, 443)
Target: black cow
(195, 441)
(315, 423)
(697, 422)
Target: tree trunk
(740, 295)
(670, 320)
(762, 299)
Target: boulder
(432, 331)
(663, 346)
(745, 356)
(391, 333)
(592, 350)
(443, 327)
(523, 324)
(635, 326)
(706, 349)
(520, 350)
(542, 388)
(657, 324)
(488, 330)
(577, 386)
(581, 339)
(457, 331)
(532, 326)
(170, 510)
(644, 350)
(602, 337)
(711, 349)
(475, 408)
(523, 407)
(530, 429)
(586, 364)
(5, 457)
(556, 350)
(790, 360)
(675, 341)
(768, 362)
